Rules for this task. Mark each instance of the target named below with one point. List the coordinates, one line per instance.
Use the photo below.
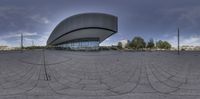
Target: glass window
(82, 45)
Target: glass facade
(81, 45)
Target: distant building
(4, 48)
(190, 48)
(124, 43)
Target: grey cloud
(148, 18)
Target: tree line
(139, 43)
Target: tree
(150, 44)
(138, 43)
(128, 44)
(119, 45)
(163, 45)
(159, 44)
(167, 45)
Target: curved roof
(86, 25)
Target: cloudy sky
(157, 19)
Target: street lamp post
(178, 42)
(22, 42)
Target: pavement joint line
(47, 77)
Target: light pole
(178, 42)
(22, 41)
(32, 43)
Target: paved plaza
(50, 74)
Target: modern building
(83, 31)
